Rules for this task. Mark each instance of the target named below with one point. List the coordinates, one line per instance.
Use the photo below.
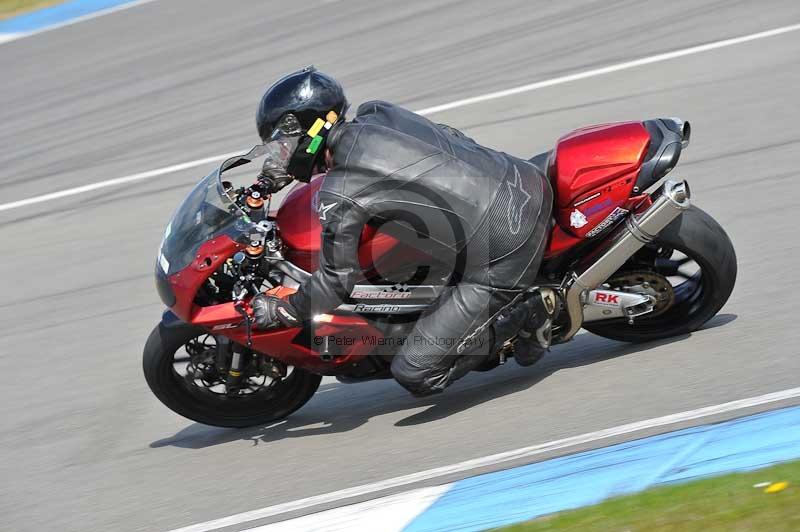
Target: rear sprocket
(647, 283)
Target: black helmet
(303, 105)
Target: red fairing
(188, 281)
(299, 225)
(354, 338)
(590, 157)
(594, 170)
(560, 241)
(225, 319)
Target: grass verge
(12, 8)
(724, 503)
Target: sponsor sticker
(361, 307)
(597, 207)
(577, 219)
(376, 294)
(615, 215)
(605, 298)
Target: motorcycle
(624, 263)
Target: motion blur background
(83, 443)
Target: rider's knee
(420, 381)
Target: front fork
(225, 352)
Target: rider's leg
(518, 269)
(501, 260)
(430, 358)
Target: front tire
(182, 397)
(699, 237)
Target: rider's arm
(342, 223)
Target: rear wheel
(187, 372)
(689, 270)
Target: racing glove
(270, 311)
(273, 178)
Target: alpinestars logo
(518, 200)
(323, 210)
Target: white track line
(8, 37)
(117, 181)
(611, 68)
(387, 514)
(428, 110)
(492, 460)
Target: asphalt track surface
(85, 446)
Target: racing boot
(530, 321)
(533, 338)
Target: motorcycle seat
(542, 162)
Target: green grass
(10, 8)
(724, 503)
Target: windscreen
(201, 216)
(208, 211)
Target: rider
(483, 212)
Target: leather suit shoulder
(375, 107)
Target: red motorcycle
(625, 263)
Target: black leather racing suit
(483, 212)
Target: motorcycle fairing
(205, 231)
(596, 170)
(593, 171)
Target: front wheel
(689, 270)
(186, 370)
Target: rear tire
(285, 397)
(697, 235)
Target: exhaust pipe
(671, 200)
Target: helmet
(295, 116)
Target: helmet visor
(282, 143)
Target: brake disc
(202, 365)
(648, 283)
